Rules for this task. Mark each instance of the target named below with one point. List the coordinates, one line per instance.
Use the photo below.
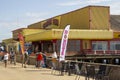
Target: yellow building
(11, 44)
(90, 31)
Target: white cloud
(35, 15)
(114, 8)
(10, 25)
(72, 3)
(29, 14)
(114, 4)
(81, 2)
(98, 1)
(21, 22)
(7, 34)
(6, 28)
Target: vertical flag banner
(21, 40)
(64, 43)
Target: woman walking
(6, 57)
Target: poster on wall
(64, 41)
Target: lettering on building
(51, 22)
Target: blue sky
(16, 14)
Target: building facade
(91, 34)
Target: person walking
(26, 58)
(39, 59)
(6, 57)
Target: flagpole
(21, 41)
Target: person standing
(2, 48)
(6, 57)
(54, 60)
(29, 50)
(12, 57)
(44, 59)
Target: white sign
(64, 43)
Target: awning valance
(10, 40)
(25, 31)
(74, 34)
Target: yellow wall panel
(74, 34)
(91, 34)
(78, 19)
(99, 17)
(25, 31)
(42, 23)
(35, 25)
(31, 31)
(52, 23)
(44, 35)
(10, 40)
(116, 35)
(90, 17)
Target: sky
(15, 14)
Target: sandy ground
(30, 73)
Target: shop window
(115, 45)
(36, 47)
(99, 45)
(48, 46)
(72, 45)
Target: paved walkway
(30, 73)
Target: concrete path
(30, 73)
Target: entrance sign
(64, 43)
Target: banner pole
(63, 48)
(21, 40)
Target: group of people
(41, 59)
(8, 56)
